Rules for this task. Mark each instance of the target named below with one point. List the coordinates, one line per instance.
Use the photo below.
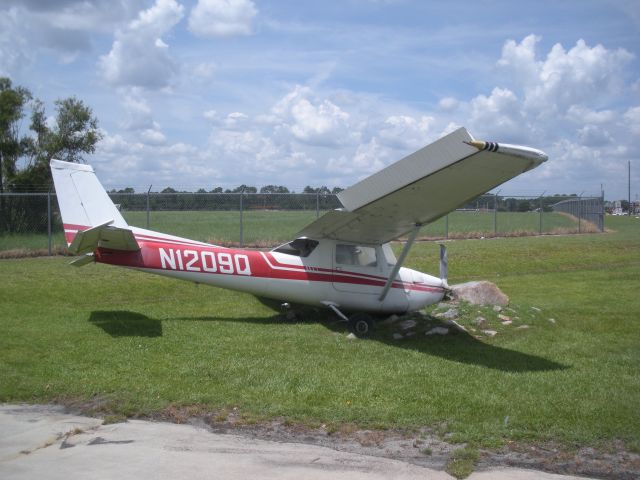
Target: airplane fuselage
(321, 278)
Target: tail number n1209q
(204, 261)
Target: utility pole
(629, 192)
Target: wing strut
(398, 265)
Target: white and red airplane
(342, 260)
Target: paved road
(44, 442)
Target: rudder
(82, 199)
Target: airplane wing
(421, 188)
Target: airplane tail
(83, 201)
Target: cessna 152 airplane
(341, 261)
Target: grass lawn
(129, 343)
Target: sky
(206, 93)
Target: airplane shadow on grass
(126, 324)
(458, 347)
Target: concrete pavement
(42, 441)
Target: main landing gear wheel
(361, 325)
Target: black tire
(361, 325)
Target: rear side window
(300, 247)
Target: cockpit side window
(356, 255)
(300, 247)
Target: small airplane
(341, 261)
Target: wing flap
(410, 169)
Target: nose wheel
(361, 325)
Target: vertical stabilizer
(82, 199)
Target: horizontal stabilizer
(104, 236)
(84, 260)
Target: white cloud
(404, 132)
(566, 77)
(594, 136)
(448, 104)
(139, 56)
(313, 120)
(139, 115)
(632, 118)
(14, 51)
(222, 18)
(581, 114)
(499, 115)
(152, 136)
(204, 70)
(62, 28)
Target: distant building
(617, 208)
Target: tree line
(245, 189)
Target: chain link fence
(30, 223)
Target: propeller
(444, 266)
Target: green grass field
(122, 342)
(272, 228)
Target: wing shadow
(121, 323)
(464, 348)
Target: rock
(523, 327)
(507, 322)
(480, 322)
(397, 336)
(552, 320)
(407, 324)
(504, 318)
(449, 314)
(438, 331)
(479, 293)
(391, 320)
(536, 309)
(490, 333)
(352, 336)
(456, 326)
(497, 308)
(411, 333)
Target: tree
(12, 146)
(274, 189)
(243, 189)
(74, 134)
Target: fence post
(540, 208)
(148, 209)
(241, 219)
(446, 226)
(601, 222)
(49, 218)
(495, 215)
(318, 204)
(580, 214)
